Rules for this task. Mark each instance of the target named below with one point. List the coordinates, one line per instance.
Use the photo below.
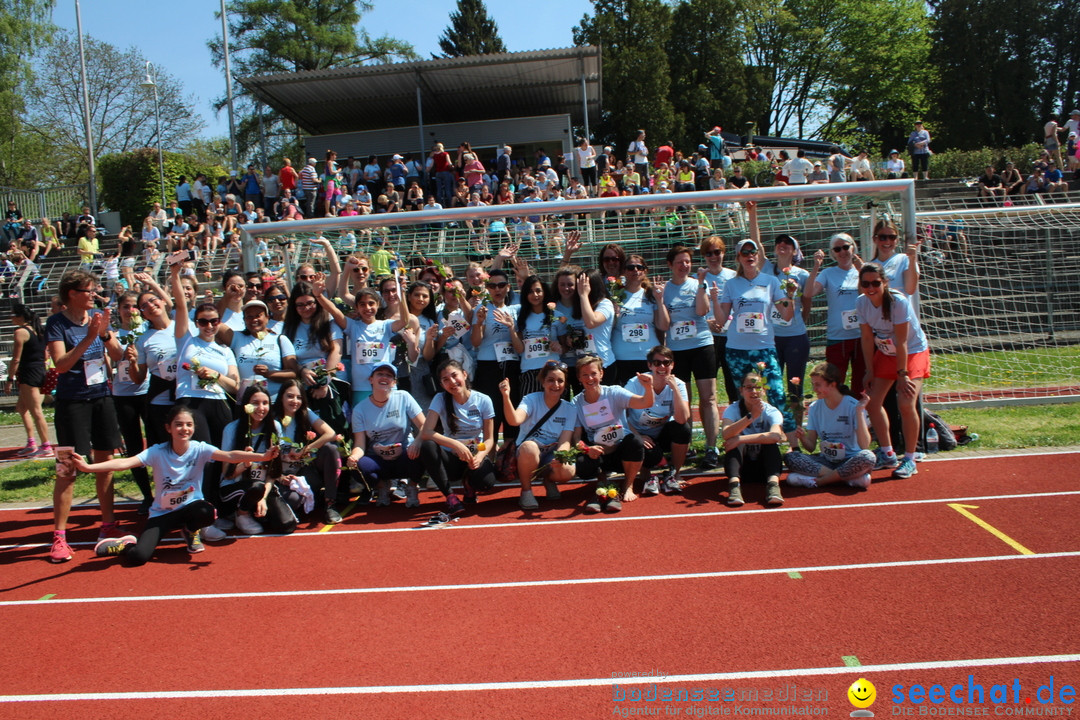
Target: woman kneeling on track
(891, 335)
(461, 450)
(380, 426)
(601, 420)
(547, 426)
(313, 455)
(839, 419)
(752, 430)
(248, 488)
(178, 467)
(664, 427)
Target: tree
(121, 110)
(268, 37)
(633, 35)
(130, 183)
(24, 25)
(471, 32)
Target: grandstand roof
(476, 87)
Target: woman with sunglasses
(792, 338)
(841, 286)
(664, 427)
(498, 348)
(276, 298)
(546, 422)
(318, 343)
(602, 426)
(751, 342)
(838, 419)
(752, 435)
(690, 338)
(641, 314)
(892, 336)
(231, 303)
(716, 275)
(902, 269)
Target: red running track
(564, 636)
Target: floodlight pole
(86, 112)
(150, 83)
(228, 89)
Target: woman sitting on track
(891, 335)
(547, 425)
(838, 419)
(752, 433)
(178, 501)
(380, 425)
(461, 451)
(664, 427)
(601, 420)
(316, 458)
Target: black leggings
(211, 416)
(245, 495)
(489, 373)
(671, 434)
(131, 416)
(445, 467)
(629, 449)
(191, 517)
(322, 473)
(767, 463)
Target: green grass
(32, 481)
(1019, 426)
(10, 417)
(1001, 369)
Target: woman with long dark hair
(312, 454)
(535, 326)
(27, 368)
(318, 343)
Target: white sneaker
(862, 481)
(248, 525)
(212, 533)
(800, 480)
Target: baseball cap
(384, 365)
(255, 303)
(743, 243)
(311, 161)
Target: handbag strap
(537, 426)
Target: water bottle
(931, 440)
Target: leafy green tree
(471, 32)
(633, 35)
(24, 26)
(268, 37)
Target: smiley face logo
(862, 693)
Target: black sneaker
(711, 460)
(438, 520)
(331, 516)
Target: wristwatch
(902, 373)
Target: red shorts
(918, 365)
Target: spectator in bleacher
(1055, 179)
(183, 196)
(990, 184)
(48, 234)
(85, 218)
(1036, 182)
(638, 153)
(287, 176)
(894, 166)
(586, 162)
(837, 165)
(737, 179)
(818, 176)
(715, 142)
(919, 150)
(78, 338)
(253, 190)
(1072, 148)
(861, 168)
(1012, 180)
(30, 240)
(27, 370)
(444, 175)
(271, 190)
(88, 248)
(1052, 138)
(67, 226)
(12, 224)
(200, 196)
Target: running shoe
(61, 551)
(613, 505)
(670, 484)
(193, 540)
(399, 490)
(212, 533)
(454, 506)
(772, 494)
(113, 545)
(412, 496)
(906, 469)
(384, 497)
(527, 501)
(592, 505)
(919, 457)
(734, 495)
(248, 525)
(552, 490)
(467, 492)
(886, 461)
(30, 449)
(331, 516)
(711, 459)
(44, 451)
(652, 487)
(801, 480)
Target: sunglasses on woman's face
(870, 283)
(497, 286)
(207, 322)
(713, 253)
(886, 236)
(634, 267)
(278, 298)
(660, 362)
(841, 248)
(748, 251)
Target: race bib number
(166, 369)
(599, 414)
(94, 371)
(368, 352)
(778, 319)
(123, 372)
(683, 329)
(473, 445)
(833, 452)
(751, 322)
(650, 420)
(387, 452)
(258, 472)
(610, 436)
(458, 323)
(849, 319)
(504, 352)
(537, 348)
(176, 498)
(885, 345)
(635, 332)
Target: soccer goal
(998, 298)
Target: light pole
(149, 83)
(228, 88)
(86, 113)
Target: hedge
(130, 183)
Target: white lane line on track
(537, 583)
(727, 512)
(549, 684)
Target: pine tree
(471, 32)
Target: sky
(173, 36)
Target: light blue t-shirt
(218, 358)
(884, 328)
(177, 478)
(369, 344)
(564, 418)
(634, 333)
(387, 425)
(233, 319)
(270, 351)
(895, 267)
(688, 330)
(651, 421)
(769, 416)
(307, 348)
(841, 290)
(752, 303)
(470, 416)
(835, 428)
(157, 350)
(461, 328)
(604, 421)
(719, 280)
(537, 337)
(122, 384)
(598, 339)
(495, 345)
(794, 327)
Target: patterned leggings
(855, 466)
(742, 362)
